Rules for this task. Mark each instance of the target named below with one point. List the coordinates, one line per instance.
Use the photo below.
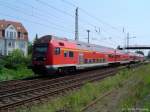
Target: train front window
(41, 49)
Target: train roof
(79, 44)
(83, 45)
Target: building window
(11, 44)
(21, 44)
(19, 34)
(71, 54)
(11, 35)
(14, 34)
(7, 34)
(57, 51)
(3, 33)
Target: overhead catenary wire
(66, 13)
(55, 26)
(92, 16)
(7, 5)
(43, 12)
(85, 22)
(33, 22)
(95, 18)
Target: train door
(80, 58)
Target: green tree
(36, 38)
(139, 52)
(2, 63)
(15, 59)
(148, 56)
(30, 47)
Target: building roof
(18, 26)
(5, 23)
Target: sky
(104, 18)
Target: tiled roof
(18, 26)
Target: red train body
(51, 54)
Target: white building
(13, 35)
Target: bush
(2, 63)
(16, 59)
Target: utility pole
(88, 31)
(124, 36)
(76, 25)
(127, 39)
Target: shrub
(16, 59)
(2, 63)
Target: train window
(71, 54)
(40, 49)
(93, 60)
(110, 55)
(65, 53)
(101, 60)
(57, 50)
(104, 60)
(97, 60)
(90, 61)
(85, 61)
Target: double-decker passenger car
(51, 54)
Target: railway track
(27, 91)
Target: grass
(138, 92)
(11, 74)
(76, 100)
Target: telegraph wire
(64, 12)
(91, 15)
(37, 9)
(34, 22)
(97, 31)
(34, 16)
(57, 9)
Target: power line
(39, 17)
(91, 15)
(34, 16)
(34, 22)
(42, 14)
(61, 11)
(64, 12)
(57, 9)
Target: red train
(53, 54)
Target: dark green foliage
(16, 59)
(148, 56)
(139, 52)
(30, 46)
(2, 63)
(14, 66)
(36, 38)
